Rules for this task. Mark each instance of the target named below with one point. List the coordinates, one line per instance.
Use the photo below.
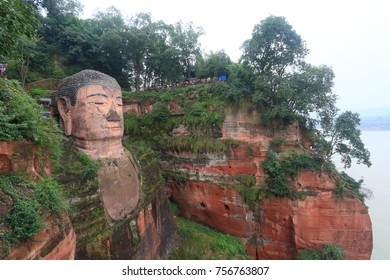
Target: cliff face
(271, 227)
(57, 239)
(21, 157)
(52, 243)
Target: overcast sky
(352, 37)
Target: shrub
(20, 118)
(278, 171)
(328, 252)
(31, 204)
(309, 254)
(201, 242)
(332, 252)
(24, 219)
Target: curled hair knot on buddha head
(70, 85)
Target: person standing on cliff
(3, 67)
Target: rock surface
(51, 243)
(54, 242)
(147, 231)
(21, 158)
(279, 227)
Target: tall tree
(274, 47)
(17, 19)
(214, 64)
(340, 135)
(185, 41)
(286, 88)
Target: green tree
(274, 47)
(340, 135)
(17, 19)
(241, 81)
(286, 89)
(109, 29)
(215, 64)
(298, 96)
(78, 46)
(185, 41)
(26, 50)
(137, 48)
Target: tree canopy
(287, 89)
(142, 53)
(274, 47)
(17, 19)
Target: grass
(199, 242)
(26, 206)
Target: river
(377, 179)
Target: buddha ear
(63, 105)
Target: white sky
(352, 37)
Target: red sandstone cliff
(57, 241)
(51, 243)
(280, 227)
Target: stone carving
(90, 106)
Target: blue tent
(222, 78)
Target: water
(377, 179)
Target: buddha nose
(112, 114)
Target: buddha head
(90, 106)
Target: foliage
(25, 50)
(139, 53)
(39, 93)
(274, 47)
(347, 185)
(332, 252)
(246, 187)
(309, 254)
(150, 167)
(197, 145)
(17, 19)
(28, 208)
(329, 252)
(340, 134)
(48, 194)
(79, 165)
(20, 118)
(200, 242)
(279, 171)
(286, 89)
(213, 65)
(241, 82)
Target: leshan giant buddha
(90, 106)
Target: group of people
(189, 82)
(3, 67)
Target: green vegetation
(20, 118)
(246, 187)
(346, 185)
(199, 242)
(278, 171)
(17, 20)
(329, 252)
(79, 165)
(26, 205)
(344, 139)
(40, 93)
(142, 53)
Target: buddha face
(92, 113)
(97, 114)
